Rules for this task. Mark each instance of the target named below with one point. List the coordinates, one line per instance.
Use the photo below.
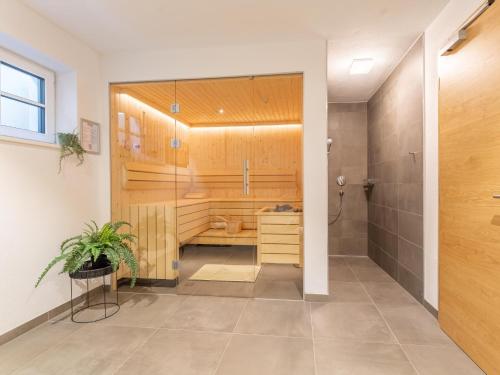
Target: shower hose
(337, 215)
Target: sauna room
(208, 172)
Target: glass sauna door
(143, 178)
(215, 197)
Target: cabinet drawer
(279, 249)
(280, 258)
(280, 219)
(279, 229)
(292, 239)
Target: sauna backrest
(141, 176)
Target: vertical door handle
(246, 182)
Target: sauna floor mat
(227, 272)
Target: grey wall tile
(411, 257)
(410, 197)
(410, 227)
(395, 132)
(347, 125)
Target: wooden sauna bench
(158, 241)
(200, 232)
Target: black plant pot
(100, 267)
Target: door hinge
(175, 108)
(175, 143)
(175, 264)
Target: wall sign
(90, 137)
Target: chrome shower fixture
(329, 142)
(341, 181)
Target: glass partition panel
(143, 177)
(217, 222)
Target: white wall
(38, 207)
(449, 20)
(307, 57)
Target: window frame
(30, 67)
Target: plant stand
(88, 275)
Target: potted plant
(96, 248)
(70, 145)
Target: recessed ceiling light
(361, 66)
(221, 110)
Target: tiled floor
(281, 281)
(369, 326)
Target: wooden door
(469, 252)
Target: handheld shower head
(341, 181)
(329, 142)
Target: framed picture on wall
(90, 136)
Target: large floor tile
(339, 270)
(145, 310)
(225, 289)
(370, 273)
(15, 353)
(341, 291)
(279, 318)
(359, 262)
(336, 357)
(179, 353)
(94, 349)
(278, 289)
(413, 324)
(93, 313)
(388, 293)
(349, 321)
(440, 360)
(207, 314)
(267, 355)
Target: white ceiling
(380, 29)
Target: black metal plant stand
(87, 275)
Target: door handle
(496, 196)
(246, 182)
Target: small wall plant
(70, 145)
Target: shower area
(376, 174)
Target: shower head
(341, 181)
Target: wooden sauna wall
(144, 167)
(275, 153)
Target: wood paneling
(469, 244)
(275, 153)
(279, 237)
(246, 100)
(149, 178)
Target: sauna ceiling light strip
(169, 118)
(217, 127)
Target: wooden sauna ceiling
(255, 100)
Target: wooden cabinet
(279, 237)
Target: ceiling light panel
(361, 66)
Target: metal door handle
(246, 182)
(496, 196)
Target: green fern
(76, 251)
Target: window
(26, 99)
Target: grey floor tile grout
(46, 349)
(230, 339)
(241, 314)
(135, 351)
(386, 323)
(313, 340)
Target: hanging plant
(70, 145)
